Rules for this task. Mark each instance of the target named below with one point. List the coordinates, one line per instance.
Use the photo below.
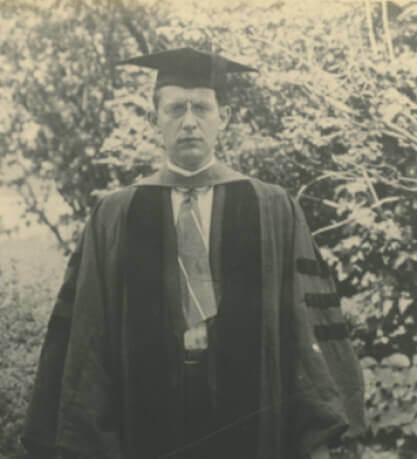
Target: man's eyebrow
(197, 100)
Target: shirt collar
(199, 190)
(171, 166)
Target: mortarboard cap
(189, 68)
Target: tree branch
(401, 131)
(396, 185)
(333, 226)
(327, 202)
(331, 174)
(136, 34)
(352, 219)
(371, 33)
(370, 185)
(32, 207)
(387, 30)
(31, 203)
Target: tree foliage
(331, 115)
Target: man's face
(189, 121)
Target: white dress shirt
(186, 173)
(195, 338)
(205, 200)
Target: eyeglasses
(199, 109)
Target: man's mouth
(189, 140)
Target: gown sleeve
(328, 391)
(42, 415)
(72, 408)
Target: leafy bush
(331, 115)
(29, 277)
(391, 388)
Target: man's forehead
(173, 93)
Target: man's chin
(192, 159)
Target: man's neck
(187, 173)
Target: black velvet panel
(239, 324)
(152, 400)
(313, 267)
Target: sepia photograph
(208, 229)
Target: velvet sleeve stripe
(322, 300)
(336, 331)
(311, 267)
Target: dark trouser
(197, 409)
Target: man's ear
(225, 114)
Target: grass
(30, 274)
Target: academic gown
(283, 376)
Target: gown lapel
(154, 399)
(154, 323)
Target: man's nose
(189, 118)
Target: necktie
(198, 297)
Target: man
(196, 319)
